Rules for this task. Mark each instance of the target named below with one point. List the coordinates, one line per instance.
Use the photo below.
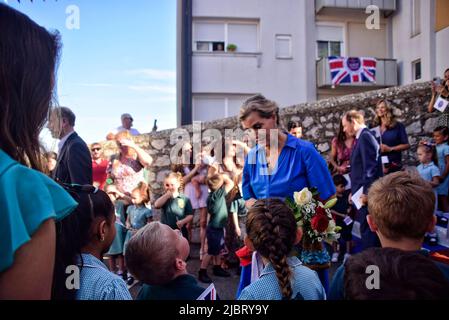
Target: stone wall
(320, 122)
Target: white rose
(303, 197)
(331, 226)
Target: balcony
(226, 72)
(387, 6)
(386, 75)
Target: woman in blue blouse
(394, 138)
(29, 200)
(296, 164)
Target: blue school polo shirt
(27, 199)
(299, 166)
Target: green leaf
(330, 203)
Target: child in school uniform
(138, 215)
(272, 231)
(429, 171)
(220, 185)
(115, 252)
(82, 239)
(441, 136)
(176, 208)
(343, 218)
(157, 255)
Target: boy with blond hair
(401, 207)
(156, 255)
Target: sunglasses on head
(96, 149)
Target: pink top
(343, 152)
(127, 174)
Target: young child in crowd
(176, 208)
(401, 207)
(272, 231)
(220, 185)
(156, 255)
(115, 253)
(418, 277)
(82, 238)
(429, 171)
(138, 215)
(343, 217)
(441, 136)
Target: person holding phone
(440, 87)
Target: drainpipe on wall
(186, 62)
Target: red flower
(319, 222)
(320, 211)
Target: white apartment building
(282, 48)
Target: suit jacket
(74, 163)
(366, 162)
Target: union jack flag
(352, 69)
(209, 294)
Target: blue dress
(138, 216)
(120, 221)
(27, 199)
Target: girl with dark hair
(82, 240)
(271, 230)
(341, 149)
(295, 129)
(394, 138)
(28, 58)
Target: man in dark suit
(74, 164)
(366, 167)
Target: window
(284, 47)
(209, 46)
(416, 17)
(209, 107)
(329, 40)
(328, 48)
(213, 36)
(416, 70)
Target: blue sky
(121, 59)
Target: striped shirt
(98, 283)
(305, 284)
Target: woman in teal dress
(29, 201)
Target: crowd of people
(72, 208)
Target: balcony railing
(386, 74)
(387, 6)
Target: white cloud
(154, 74)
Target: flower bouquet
(316, 221)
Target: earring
(102, 238)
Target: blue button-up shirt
(306, 284)
(98, 283)
(299, 165)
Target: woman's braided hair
(271, 227)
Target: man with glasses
(127, 123)
(99, 166)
